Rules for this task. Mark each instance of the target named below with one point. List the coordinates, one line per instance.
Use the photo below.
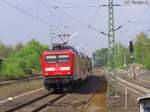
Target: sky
(44, 19)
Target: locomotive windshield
(51, 59)
(57, 58)
(63, 58)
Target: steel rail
(135, 87)
(49, 103)
(42, 106)
(6, 83)
(15, 108)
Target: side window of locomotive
(63, 58)
(51, 59)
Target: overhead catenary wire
(36, 7)
(58, 9)
(29, 14)
(94, 16)
(130, 21)
(56, 16)
(48, 7)
(63, 20)
(75, 6)
(84, 25)
(88, 6)
(80, 22)
(79, 6)
(18, 1)
(133, 17)
(138, 13)
(71, 17)
(140, 22)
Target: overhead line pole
(111, 36)
(111, 51)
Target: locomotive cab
(57, 68)
(57, 64)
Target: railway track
(9, 82)
(49, 103)
(138, 88)
(37, 104)
(41, 100)
(147, 81)
(138, 80)
(15, 108)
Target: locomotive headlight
(50, 69)
(64, 68)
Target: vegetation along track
(9, 82)
(43, 101)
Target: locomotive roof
(63, 47)
(60, 47)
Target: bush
(23, 61)
(12, 69)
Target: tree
(141, 53)
(24, 59)
(5, 51)
(142, 50)
(121, 55)
(18, 46)
(101, 57)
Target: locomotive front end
(57, 69)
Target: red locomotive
(63, 66)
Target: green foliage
(12, 68)
(101, 57)
(122, 55)
(5, 51)
(18, 46)
(26, 58)
(142, 50)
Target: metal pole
(111, 48)
(111, 36)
